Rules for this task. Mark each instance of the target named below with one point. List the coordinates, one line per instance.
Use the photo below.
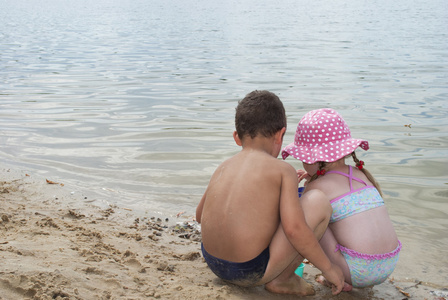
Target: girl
(360, 237)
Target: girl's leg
(317, 213)
(328, 243)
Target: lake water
(133, 102)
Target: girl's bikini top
(355, 201)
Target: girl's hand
(336, 279)
(302, 174)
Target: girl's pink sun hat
(322, 135)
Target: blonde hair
(323, 164)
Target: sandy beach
(55, 245)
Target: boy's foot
(295, 285)
(321, 279)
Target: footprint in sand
(134, 263)
(113, 283)
(18, 286)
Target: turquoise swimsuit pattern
(355, 201)
(367, 269)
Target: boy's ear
(237, 138)
(279, 135)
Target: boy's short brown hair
(260, 112)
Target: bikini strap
(355, 178)
(349, 176)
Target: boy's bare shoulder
(263, 161)
(285, 168)
(285, 165)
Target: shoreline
(55, 245)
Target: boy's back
(242, 204)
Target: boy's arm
(299, 233)
(199, 208)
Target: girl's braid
(360, 165)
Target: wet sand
(55, 245)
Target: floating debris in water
(442, 294)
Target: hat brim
(326, 153)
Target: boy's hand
(302, 174)
(335, 277)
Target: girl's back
(360, 220)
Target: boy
(254, 230)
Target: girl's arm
(303, 175)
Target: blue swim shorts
(244, 274)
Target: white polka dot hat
(322, 135)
